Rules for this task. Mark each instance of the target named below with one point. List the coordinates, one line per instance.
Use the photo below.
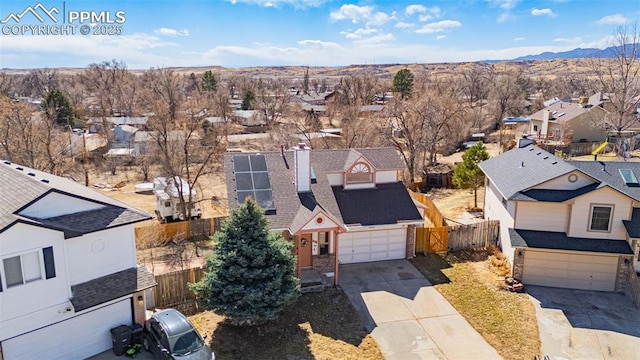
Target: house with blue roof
(569, 224)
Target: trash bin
(120, 338)
(136, 335)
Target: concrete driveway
(407, 317)
(580, 324)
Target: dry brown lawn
(318, 326)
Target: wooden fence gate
(476, 236)
(173, 290)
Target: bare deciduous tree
(619, 79)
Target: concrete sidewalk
(407, 317)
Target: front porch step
(311, 288)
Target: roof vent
(522, 165)
(539, 152)
(553, 163)
(7, 162)
(19, 168)
(31, 174)
(44, 181)
(545, 158)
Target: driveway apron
(581, 324)
(407, 317)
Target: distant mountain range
(578, 53)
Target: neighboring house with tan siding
(565, 224)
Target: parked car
(168, 334)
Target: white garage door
(567, 270)
(77, 338)
(362, 246)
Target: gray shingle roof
(285, 196)
(633, 225)
(106, 288)
(21, 186)
(553, 195)
(608, 174)
(522, 168)
(560, 241)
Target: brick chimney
(302, 168)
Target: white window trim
(5, 285)
(611, 206)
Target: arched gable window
(360, 173)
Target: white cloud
(506, 6)
(375, 40)
(543, 12)
(574, 40)
(413, 9)
(357, 14)
(352, 12)
(616, 19)
(275, 3)
(359, 33)
(171, 32)
(378, 19)
(440, 37)
(403, 25)
(439, 26)
(425, 13)
(519, 39)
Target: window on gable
(600, 217)
(359, 174)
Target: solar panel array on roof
(252, 179)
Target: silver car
(168, 334)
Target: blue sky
(240, 33)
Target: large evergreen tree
(403, 83)
(250, 275)
(58, 106)
(247, 100)
(468, 175)
(209, 82)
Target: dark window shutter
(49, 264)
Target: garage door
(362, 246)
(567, 270)
(77, 338)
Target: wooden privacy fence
(173, 291)
(159, 234)
(476, 236)
(432, 213)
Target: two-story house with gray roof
(337, 206)
(68, 270)
(570, 224)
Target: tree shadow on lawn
(328, 314)
(431, 265)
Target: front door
(304, 251)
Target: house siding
(386, 177)
(494, 209)
(542, 216)
(580, 216)
(36, 303)
(100, 253)
(562, 182)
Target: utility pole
(84, 159)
